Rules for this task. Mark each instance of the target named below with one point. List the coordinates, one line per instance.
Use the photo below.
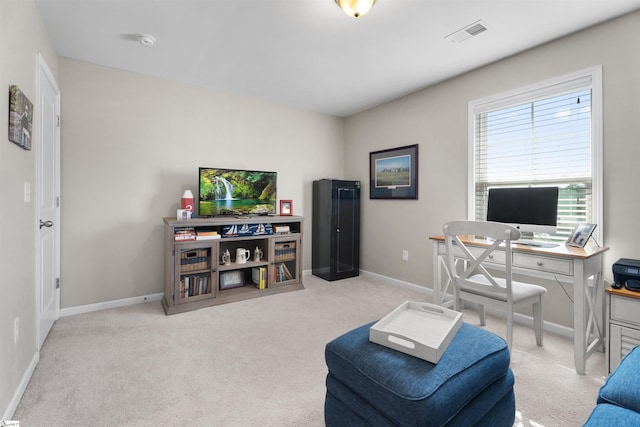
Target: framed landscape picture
(394, 173)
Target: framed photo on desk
(580, 235)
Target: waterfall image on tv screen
(236, 192)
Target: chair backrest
(497, 233)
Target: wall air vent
(467, 32)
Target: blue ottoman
(372, 385)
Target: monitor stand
(527, 239)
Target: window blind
(542, 142)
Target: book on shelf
(282, 273)
(184, 233)
(207, 235)
(191, 286)
(281, 229)
(259, 277)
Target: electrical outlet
(405, 255)
(16, 330)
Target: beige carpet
(255, 363)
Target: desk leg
(441, 283)
(436, 276)
(587, 315)
(579, 326)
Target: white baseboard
(413, 286)
(70, 311)
(13, 405)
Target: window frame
(548, 88)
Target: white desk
(563, 263)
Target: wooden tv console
(196, 277)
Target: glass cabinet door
(285, 260)
(194, 266)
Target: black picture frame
(581, 235)
(394, 173)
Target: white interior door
(48, 191)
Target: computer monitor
(530, 209)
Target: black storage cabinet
(336, 229)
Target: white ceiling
(307, 53)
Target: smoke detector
(467, 32)
(146, 40)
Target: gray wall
(436, 119)
(22, 36)
(132, 144)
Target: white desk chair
(475, 284)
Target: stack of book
(207, 235)
(182, 234)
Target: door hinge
(58, 121)
(57, 283)
(58, 202)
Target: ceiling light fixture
(355, 8)
(146, 40)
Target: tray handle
(431, 309)
(401, 340)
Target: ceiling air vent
(467, 32)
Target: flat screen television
(236, 192)
(530, 209)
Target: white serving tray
(420, 329)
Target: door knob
(46, 223)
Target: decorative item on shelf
(184, 214)
(263, 229)
(231, 279)
(193, 260)
(285, 251)
(286, 207)
(236, 230)
(581, 235)
(257, 254)
(394, 173)
(187, 200)
(242, 255)
(226, 257)
(20, 118)
(230, 231)
(281, 229)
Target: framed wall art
(20, 118)
(394, 173)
